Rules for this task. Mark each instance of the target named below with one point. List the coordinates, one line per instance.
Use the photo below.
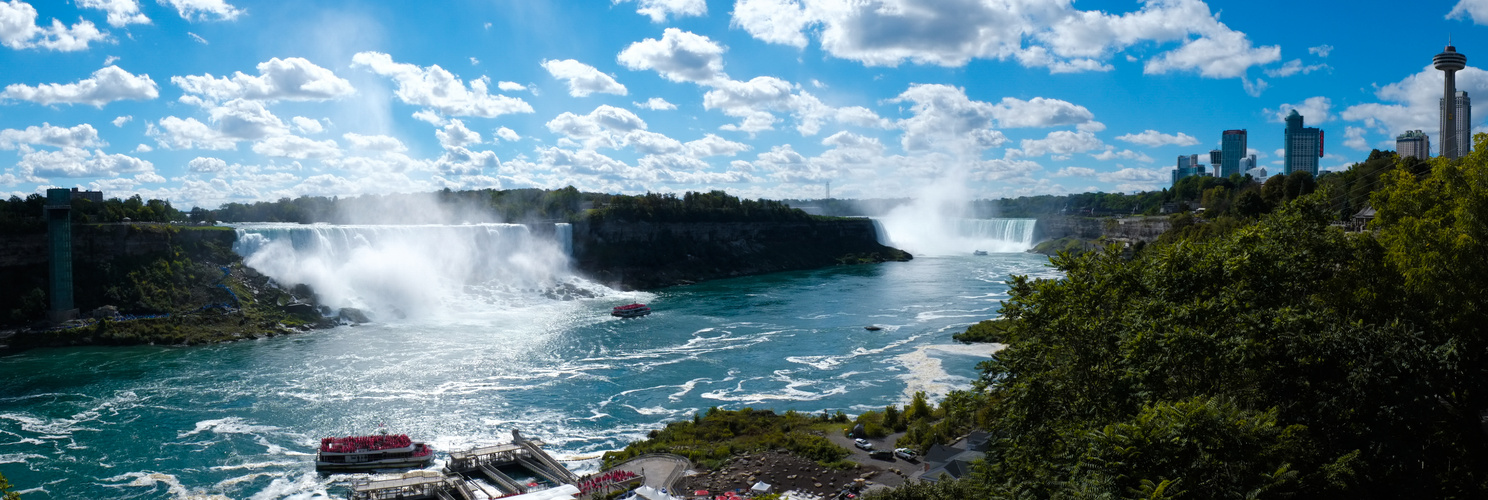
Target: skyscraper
(1450, 62)
(1463, 119)
(1304, 146)
(1232, 152)
(1413, 143)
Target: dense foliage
(19, 215)
(982, 331)
(1281, 357)
(712, 438)
(713, 206)
(5, 493)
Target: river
(467, 363)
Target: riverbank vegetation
(711, 438)
(1276, 357)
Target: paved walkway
(660, 471)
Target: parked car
(863, 444)
(905, 453)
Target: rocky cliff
(1093, 228)
(643, 255)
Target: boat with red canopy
(380, 451)
(631, 311)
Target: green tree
(5, 493)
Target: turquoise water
(241, 420)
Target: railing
(506, 483)
(567, 476)
(541, 471)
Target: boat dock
(522, 457)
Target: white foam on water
(925, 372)
(18, 458)
(229, 425)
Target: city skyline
(212, 101)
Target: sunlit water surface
(241, 420)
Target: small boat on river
(979, 252)
(630, 311)
(362, 453)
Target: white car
(905, 453)
(863, 444)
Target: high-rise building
(1413, 143)
(1247, 163)
(1214, 156)
(1232, 151)
(1304, 146)
(1450, 62)
(1463, 125)
(1188, 165)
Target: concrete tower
(58, 211)
(1449, 62)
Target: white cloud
(307, 125)
(290, 146)
(78, 162)
(510, 86)
(1477, 10)
(440, 90)
(1293, 67)
(507, 135)
(198, 38)
(120, 12)
(121, 120)
(201, 10)
(290, 79)
(1313, 110)
(1138, 176)
(655, 104)
(1075, 172)
(143, 148)
(1036, 34)
(476, 62)
(679, 56)
(461, 161)
(107, 85)
(206, 164)
(945, 117)
(246, 120)
(455, 135)
(1152, 138)
(1040, 112)
(605, 127)
(1321, 50)
(712, 145)
(1126, 154)
(18, 30)
(79, 136)
(1354, 138)
(374, 142)
(583, 79)
(1060, 142)
(188, 133)
(658, 10)
(1413, 103)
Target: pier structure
(523, 453)
(416, 484)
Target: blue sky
(209, 101)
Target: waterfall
(410, 269)
(955, 236)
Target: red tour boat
(381, 451)
(631, 311)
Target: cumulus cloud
(583, 79)
(1354, 137)
(204, 10)
(1152, 138)
(507, 134)
(78, 136)
(120, 12)
(1321, 50)
(1075, 172)
(658, 10)
(106, 85)
(374, 142)
(18, 30)
(1313, 110)
(456, 135)
(307, 125)
(290, 79)
(510, 86)
(1060, 142)
(655, 104)
(944, 116)
(121, 120)
(291, 146)
(712, 145)
(607, 126)
(1135, 179)
(78, 162)
(1476, 10)
(1043, 34)
(1040, 112)
(461, 161)
(233, 121)
(1293, 67)
(679, 56)
(1413, 103)
(205, 164)
(439, 90)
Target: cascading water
(956, 236)
(411, 269)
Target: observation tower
(1449, 62)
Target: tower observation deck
(1449, 62)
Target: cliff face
(107, 242)
(1087, 228)
(644, 255)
